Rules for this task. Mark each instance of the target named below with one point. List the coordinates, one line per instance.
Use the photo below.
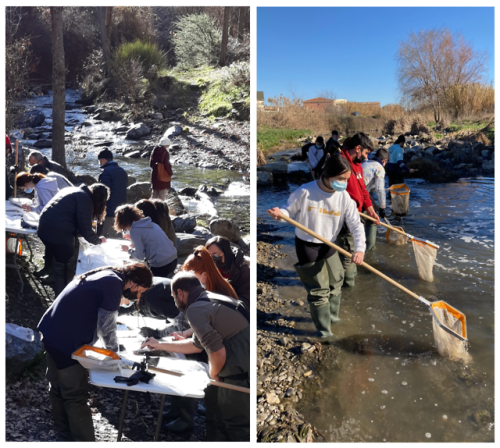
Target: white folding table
(192, 384)
(13, 215)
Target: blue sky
(351, 51)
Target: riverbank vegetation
(134, 56)
(456, 102)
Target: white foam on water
(237, 189)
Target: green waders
(228, 411)
(323, 282)
(370, 233)
(346, 241)
(68, 394)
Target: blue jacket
(116, 179)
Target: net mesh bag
(400, 199)
(447, 344)
(425, 255)
(395, 237)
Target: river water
(390, 384)
(233, 203)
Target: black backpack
(305, 150)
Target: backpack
(162, 174)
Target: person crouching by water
(149, 241)
(220, 328)
(85, 311)
(324, 206)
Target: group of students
(204, 306)
(330, 206)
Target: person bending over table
(223, 331)
(149, 241)
(84, 311)
(231, 263)
(45, 189)
(69, 213)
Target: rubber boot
(321, 318)
(334, 308)
(346, 242)
(60, 273)
(186, 409)
(371, 235)
(315, 278)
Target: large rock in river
(186, 243)
(173, 131)
(138, 191)
(276, 168)
(31, 119)
(43, 143)
(86, 179)
(184, 223)
(175, 206)
(226, 228)
(137, 131)
(264, 178)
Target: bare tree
(58, 86)
(104, 19)
(241, 24)
(327, 93)
(225, 35)
(431, 61)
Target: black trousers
(164, 271)
(312, 252)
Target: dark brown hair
(23, 178)
(139, 273)
(148, 209)
(335, 166)
(100, 195)
(125, 215)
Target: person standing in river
(324, 206)
(161, 173)
(396, 168)
(355, 151)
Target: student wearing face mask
(232, 265)
(85, 311)
(324, 206)
(332, 144)
(45, 189)
(316, 157)
(355, 151)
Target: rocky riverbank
(286, 362)
(444, 160)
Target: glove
(121, 348)
(381, 213)
(148, 332)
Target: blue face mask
(338, 185)
(28, 190)
(318, 146)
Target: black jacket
(68, 213)
(157, 302)
(116, 179)
(332, 146)
(239, 277)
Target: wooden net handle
(347, 254)
(382, 224)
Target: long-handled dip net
(425, 256)
(425, 251)
(400, 199)
(449, 324)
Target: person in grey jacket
(62, 181)
(149, 241)
(45, 189)
(69, 213)
(116, 179)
